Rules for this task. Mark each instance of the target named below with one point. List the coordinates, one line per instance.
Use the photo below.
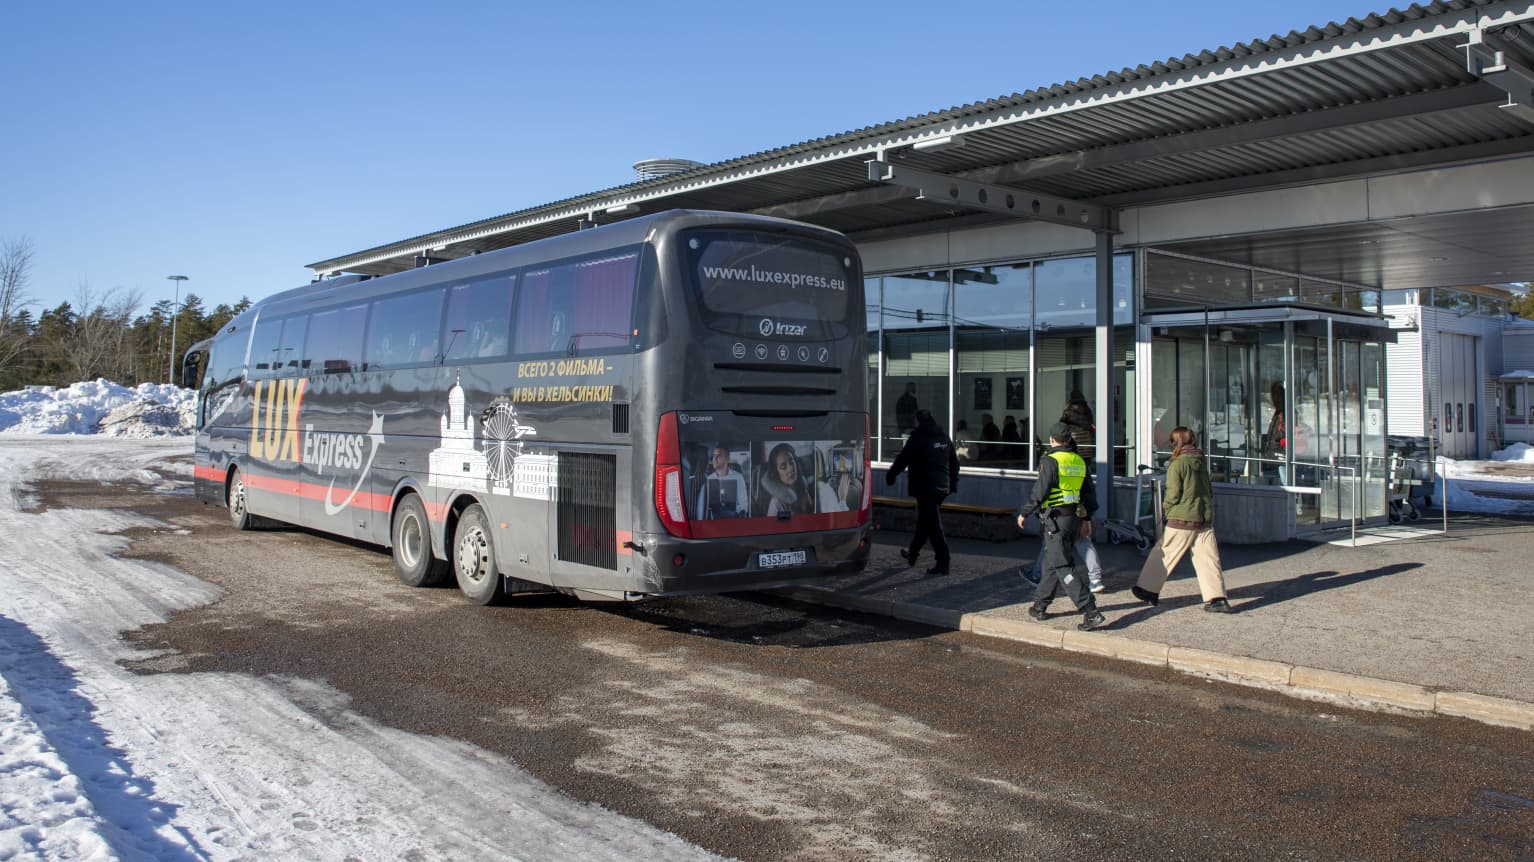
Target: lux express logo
(274, 436)
(768, 327)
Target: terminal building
(1296, 225)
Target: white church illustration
(456, 463)
(501, 466)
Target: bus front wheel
(474, 558)
(234, 498)
(413, 560)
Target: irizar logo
(768, 328)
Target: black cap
(1060, 431)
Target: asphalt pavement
(1411, 618)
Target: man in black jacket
(934, 466)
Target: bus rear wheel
(474, 558)
(411, 545)
(234, 498)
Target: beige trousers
(1174, 545)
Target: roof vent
(652, 169)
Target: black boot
(1146, 596)
(910, 558)
(1092, 618)
(1038, 612)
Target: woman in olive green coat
(1188, 507)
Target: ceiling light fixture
(936, 145)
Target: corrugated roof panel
(1288, 75)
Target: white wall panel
(1466, 187)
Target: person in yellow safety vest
(1063, 497)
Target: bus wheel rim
(472, 555)
(237, 497)
(410, 540)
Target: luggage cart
(1142, 531)
(1404, 497)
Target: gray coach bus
(669, 405)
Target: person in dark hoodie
(1188, 507)
(934, 466)
(1078, 415)
(1062, 496)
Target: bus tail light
(668, 480)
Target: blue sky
(235, 144)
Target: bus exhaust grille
(587, 510)
(620, 419)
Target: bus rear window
(755, 276)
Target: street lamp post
(174, 313)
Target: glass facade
(1293, 399)
(995, 352)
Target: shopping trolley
(1142, 530)
(1405, 497)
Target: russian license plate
(778, 559)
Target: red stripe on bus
(436, 511)
(311, 491)
(212, 474)
(726, 528)
(624, 537)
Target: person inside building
(905, 409)
(990, 435)
(1275, 443)
(1011, 439)
(964, 442)
(1078, 415)
(1063, 496)
(934, 474)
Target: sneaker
(1146, 596)
(1037, 613)
(1096, 586)
(1092, 619)
(1219, 606)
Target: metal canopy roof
(1364, 97)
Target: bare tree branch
(15, 270)
(98, 341)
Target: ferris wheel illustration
(503, 440)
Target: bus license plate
(778, 559)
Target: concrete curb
(1294, 680)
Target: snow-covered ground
(99, 764)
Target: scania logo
(765, 328)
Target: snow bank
(99, 407)
(1515, 452)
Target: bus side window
(291, 352)
(265, 348)
(334, 344)
(478, 320)
(403, 330)
(534, 330)
(603, 310)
